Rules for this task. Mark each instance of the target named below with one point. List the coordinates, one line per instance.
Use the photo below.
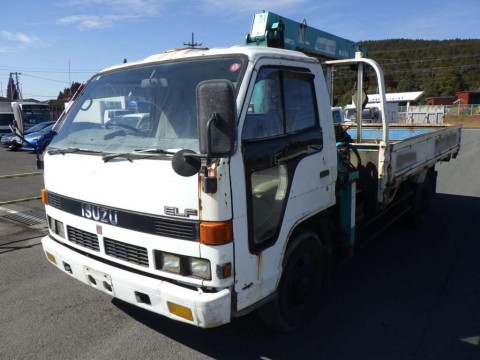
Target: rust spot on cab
(200, 195)
(247, 286)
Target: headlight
(183, 265)
(51, 223)
(39, 137)
(170, 262)
(60, 229)
(56, 227)
(199, 268)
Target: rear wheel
(304, 269)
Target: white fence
(434, 114)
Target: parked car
(8, 140)
(38, 140)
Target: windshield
(35, 114)
(368, 115)
(46, 129)
(39, 127)
(149, 107)
(6, 119)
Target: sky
(53, 43)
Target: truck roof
(252, 52)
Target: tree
(67, 93)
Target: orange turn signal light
(216, 233)
(224, 271)
(51, 258)
(180, 310)
(44, 196)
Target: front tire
(304, 270)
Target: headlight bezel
(170, 263)
(199, 268)
(185, 267)
(56, 226)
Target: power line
(38, 77)
(351, 75)
(47, 70)
(425, 60)
(432, 68)
(414, 49)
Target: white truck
(371, 113)
(237, 194)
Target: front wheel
(304, 269)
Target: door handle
(324, 173)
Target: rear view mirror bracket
(216, 116)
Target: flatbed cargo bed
(409, 150)
(397, 132)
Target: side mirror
(216, 114)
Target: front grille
(147, 223)
(83, 238)
(127, 252)
(54, 200)
(177, 230)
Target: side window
(300, 104)
(265, 112)
(283, 101)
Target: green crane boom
(272, 30)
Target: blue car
(38, 140)
(8, 140)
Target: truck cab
(115, 201)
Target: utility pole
(192, 44)
(15, 86)
(10, 85)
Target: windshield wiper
(70, 150)
(107, 158)
(155, 151)
(136, 154)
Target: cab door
(281, 128)
(287, 163)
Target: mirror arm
(209, 184)
(210, 122)
(208, 155)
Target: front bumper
(207, 309)
(8, 145)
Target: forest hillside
(439, 68)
